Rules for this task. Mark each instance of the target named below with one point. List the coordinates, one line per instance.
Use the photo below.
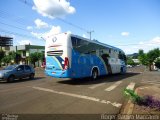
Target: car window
(27, 67)
(11, 67)
(22, 67)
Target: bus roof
(97, 42)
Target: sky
(127, 24)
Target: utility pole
(90, 34)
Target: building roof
(26, 47)
(6, 41)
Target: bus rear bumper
(59, 74)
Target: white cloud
(145, 45)
(40, 24)
(29, 27)
(37, 35)
(156, 40)
(24, 42)
(53, 8)
(126, 34)
(84, 35)
(69, 32)
(54, 30)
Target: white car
(129, 66)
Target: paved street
(61, 96)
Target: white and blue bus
(72, 56)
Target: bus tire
(94, 74)
(122, 70)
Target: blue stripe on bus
(81, 66)
(60, 61)
(53, 62)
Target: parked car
(12, 72)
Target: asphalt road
(46, 95)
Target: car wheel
(10, 78)
(31, 76)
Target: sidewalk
(143, 91)
(147, 89)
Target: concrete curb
(128, 109)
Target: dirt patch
(145, 110)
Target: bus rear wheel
(94, 74)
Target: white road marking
(115, 104)
(158, 81)
(97, 85)
(14, 88)
(133, 72)
(143, 88)
(113, 86)
(131, 86)
(158, 84)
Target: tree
(6, 59)
(15, 56)
(130, 61)
(152, 55)
(33, 58)
(147, 59)
(143, 58)
(157, 63)
(2, 54)
(40, 56)
(12, 55)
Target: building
(5, 43)
(26, 50)
(136, 61)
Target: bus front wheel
(94, 74)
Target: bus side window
(74, 42)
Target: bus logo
(54, 39)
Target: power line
(139, 44)
(26, 2)
(20, 20)
(60, 19)
(15, 33)
(13, 26)
(71, 24)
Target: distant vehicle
(43, 64)
(12, 72)
(72, 56)
(129, 66)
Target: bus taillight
(66, 63)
